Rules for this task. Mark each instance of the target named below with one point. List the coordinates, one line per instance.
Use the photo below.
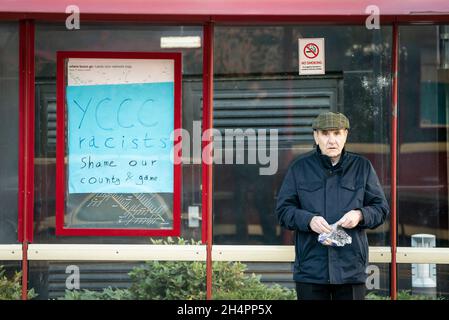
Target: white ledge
(111, 252)
(280, 253)
(11, 252)
(422, 255)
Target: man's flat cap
(330, 120)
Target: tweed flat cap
(330, 120)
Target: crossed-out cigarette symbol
(311, 50)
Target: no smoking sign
(311, 56)
(311, 50)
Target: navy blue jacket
(312, 186)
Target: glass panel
(423, 136)
(106, 37)
(152, 280)
(9, 140)
(253, 281)
(276, 281)
(257, 86)
(423, 281)
(51, 279)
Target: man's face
(331, 142)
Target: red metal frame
(206, 124)
(321, 19)
(61, 145)
(394, 148)
(229, 11)
(194, 12)
(219, 8)
(207, 168)
(26, 144)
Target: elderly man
(330, 186)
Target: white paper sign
(101, 71)
(120, 116)
(311, 56)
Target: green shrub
(374, 296)
(229, 282)
(107, 294)
(170, 280)
(408, 295)
(186, 280)
(253, 289)
(403, 295)
(11, 289)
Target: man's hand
(320, 225)
(351, 219)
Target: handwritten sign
(116, 112)
(120, 116)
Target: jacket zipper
(325, 215)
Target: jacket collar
(326, 161)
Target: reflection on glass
(9, 147)
(51, 38)
(423, 134)
(423, 281)
(257, 87)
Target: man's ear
(315, 136)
